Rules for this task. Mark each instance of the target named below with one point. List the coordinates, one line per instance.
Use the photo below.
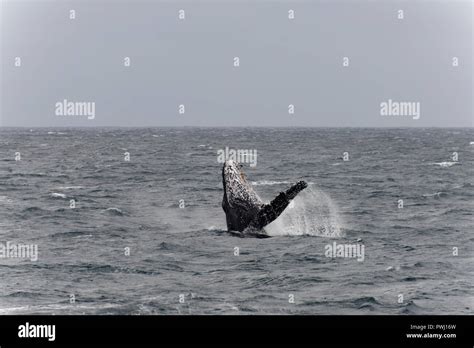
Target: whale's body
(245, 211)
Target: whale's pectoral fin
(271, 211)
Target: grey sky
(282, 62)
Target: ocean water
(182, 260)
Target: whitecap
(114, 211)
(391, 268)
(437, 194)
(52, 308)
(446, 164)
(58, 195)
(5, 199)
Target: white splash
(312, 213)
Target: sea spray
(312, 213)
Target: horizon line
(223, 127)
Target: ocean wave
(5, 199)
(114, 211)
(392, 268)
(368, 302)
(436, 194)
(29, 174)
(27, 294)
(71, 234)
(457, 211)
(412, 308)
(58, 195)
(466, 184)
(34, 210)
(56, 308)
(446, 164)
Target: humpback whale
(244, 210)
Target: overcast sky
(191, 62)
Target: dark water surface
(175, 251)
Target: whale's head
(244, 210)
(233, 174)
(236, 187)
